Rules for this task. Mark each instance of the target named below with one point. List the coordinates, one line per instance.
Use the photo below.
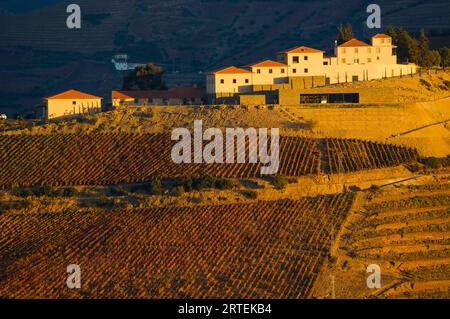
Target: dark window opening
(329, 98)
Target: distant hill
(20, 6)
(185, 36)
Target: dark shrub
(223, 183)
(425, 83)
(117, 191)
(187, 183)
(22, 192)
(155, 187)
(46, 190)
(414, 168)
(204, 182)
(447, 84)
(250, 194)
(280, 182)
(433, 162)
(70, 192)
(179, 191)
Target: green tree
(145, 77)
(436, 58)
(407, 46)
(426, 57)
(445, 57)
(345, 34)
(392, 32)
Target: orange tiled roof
(230, 70)
(267, 63)
(381, 36)
(72, 94)
(354, 43)
(302, 49)
(179, 92)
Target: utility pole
(333, 290)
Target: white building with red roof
(354, 60)
(71, 103)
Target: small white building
(71, 103)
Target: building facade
(176, 96)
(354, 60)
(71, 103)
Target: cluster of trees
(417, 50)
(144, 77)
(345, 33)
(409, 48)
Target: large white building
(353, 61)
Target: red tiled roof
(302, 49)
(179, 92)
(72, 94)
(230, 70)
(267, 63)
(381, 36)
(354, 43)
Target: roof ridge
(72, 94)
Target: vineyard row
(100, 159)
(258, 250)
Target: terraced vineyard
(260, 250)
(349, 155)
(99, 159)
(412, 236)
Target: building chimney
(335, 47)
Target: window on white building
(369, 60)
(294, 70)
(222, 81)
(305, 58)
(234, 81)
(344, 61)
(282, 70)
(295, 59)
(258, 71)
(270, 71)
(325, 63)
(247, 80)
(356, 50)
(306, 70)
